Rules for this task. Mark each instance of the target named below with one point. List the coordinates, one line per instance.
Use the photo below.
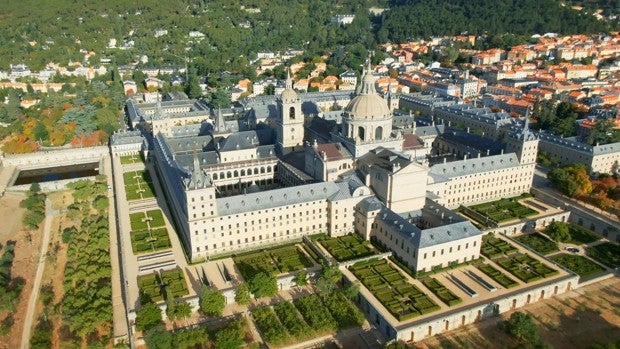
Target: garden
(148, 232)
(446, 296)
(316, 314)
(401, 298)
(493, 247)
(347, 247)
(272, 262)
(138, 185)
(570, 233)
(538, 243)
(606, 253)
(577, 264)
(497, 275)
(504, 210)
(155, 286)
(131, 159)
(526, 268)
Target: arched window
(215, 176)
(228, 174)
(379, 133)
(262, 170)
(236, 173)
(291, 113)
(256, 170)
(361, 133)
(268, 169)
(242, 173)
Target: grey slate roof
(474, 165)
(275, 198)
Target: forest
(234, 31)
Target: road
(34, 295)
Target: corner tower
(290, 124)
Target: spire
(288, 85)
(368, 80)
(198, 179)
(220, 124)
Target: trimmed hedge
(272, 262)
(497, 275)
(606, 253)
(578, 264)
(347, 247)
(538, 243)
(442, 292)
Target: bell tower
(290, 124)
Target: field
(391, 288)
(138, 185)
(347, 247)
(526, 268)
(272, 262)
(153, 285)
(538, 243)
(148, 232)
(578, 264)
(606, 253)
(504, 210)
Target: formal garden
(404, 300)
(606, 253)
(154, 286)
(538, 243)
(275, 261)
(525, 267)
(580, 265)
(148, 232)
(497, 275)
(138, 185)
(443, 293)
(131, 159)
(493, 247)
(307, 317)
(570, 233)
(347, 247)
(503, 210)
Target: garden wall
(529, 225)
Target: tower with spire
(290, 123)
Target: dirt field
(24, 264)
(577, 319)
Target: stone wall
(51, 158)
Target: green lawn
(148, 233)
(273, 262)
(391, 288)
(138, 185)
(504, 210)
(347, 247)
(131, 159)
(493, 247)
(526, 268)
(578, 264)
(606, 253)
(538, 243)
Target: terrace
(275, 261)
(154, 286)
(580, 265)
(348, 247)
(500, 211)
(606, 253)
(131, 159)
(538, 243)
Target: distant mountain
(423, 18)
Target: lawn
(504, 210)
(497, 275)
(526, 268)
(131, 159)
(606, 253)
(154, 285)
(391, 288)
(148, 232)
(275, 261)
(577, 264)
(493, 247)
(138, 185)
(538, 243)
(347, 247)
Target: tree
(212, 301)
(263, 285)
(352, 290)
(301, 279)
(522, 327)
(242, 294)
(230, 337)
(572, 180)
(158, 338)
(558, 231)
(149, 316)
(219, 98)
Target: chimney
(445, 160)
(465, 157)
(488, 152)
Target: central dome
(368, 106)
